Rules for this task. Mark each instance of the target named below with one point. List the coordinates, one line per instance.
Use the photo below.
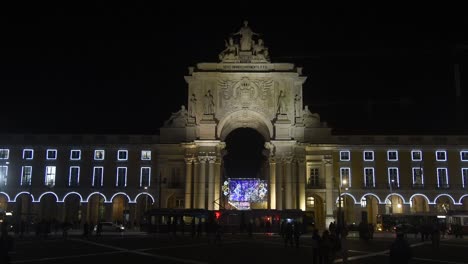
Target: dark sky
(120, 69)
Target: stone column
(196, 181)
(188, 183)
(211, 183)
(201, 183)
(288, 182)
(279, 185)
(302, 184)
(217, 184)
(273, 184)
(329, 201)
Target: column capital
(202, 159)
(211, 159)
(327, 159)
(272, 160)
(189, 160)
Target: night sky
(374, 70)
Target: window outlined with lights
(345, 155)
(369, 177)
(145, 176)
(418, 176)
(393, 177)
(26, 175)
(50, 174)
(28, 154)
(121, 180)
(464, 155)
(122, 155)
(368, 155)
(464, 174)
(4, 154)
(3, 175)
(392, 155)
(442, 178)
(99, 154)
(74, 176)
(345, 177)
(416, 155)
(51, 154)
(146, 155)
(98, 176)
(75, 154)
(441, 155)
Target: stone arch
(120, 205)
(316, 210)
(24, 206)
(57, 200)
(48, 206)
(245, 118)
(6, 195)
(21, 193)
(443, 203)
(464, 201)
(347, 194)
(394, 203)
(419, 203)
(4, 199)
(96, 207)
(72, 207)
(370, 204)
(143, 201)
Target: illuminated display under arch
(245, 190)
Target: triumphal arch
(246, 90)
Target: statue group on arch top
(244, 48)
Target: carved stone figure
(192, 106)
(209, 103)
(178, 118)
(297, 105)
(281, 108)
(230, 52)
(259, 50)
(310, 119)
(246, 37)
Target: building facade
(79, 178)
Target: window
(121, 177)
(74, 177)
(310, 202)
(369, 155)
(98, 174)
(369, 177)
(179, 203)
(4, 153)
(75, 154)
(345, 155)
(418, 179)
(28, 154)
(345, 177)
(176, 181)
(3, 175)
(464, 155)
(145, 176)
(122, 155)
(442, 178)
(50, 176)
(313, 180)
(441, 155)
(26, 175)
(146, 155)
(465, 177)
(393, 178)
(392, 155)
(51, 154)
(99, 154)
(416, 155)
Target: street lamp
(340, 216)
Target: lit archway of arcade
(144, 203)
(394, 205)
(48, 207)
(464, 203)
(419, 205)
(121, 209)
(96, 208)
(443, 204)
(347, 209)
(72, 209)
(369, 209)
(245, 159)
(315, 211)
(3, 202)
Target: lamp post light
(340, 214)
